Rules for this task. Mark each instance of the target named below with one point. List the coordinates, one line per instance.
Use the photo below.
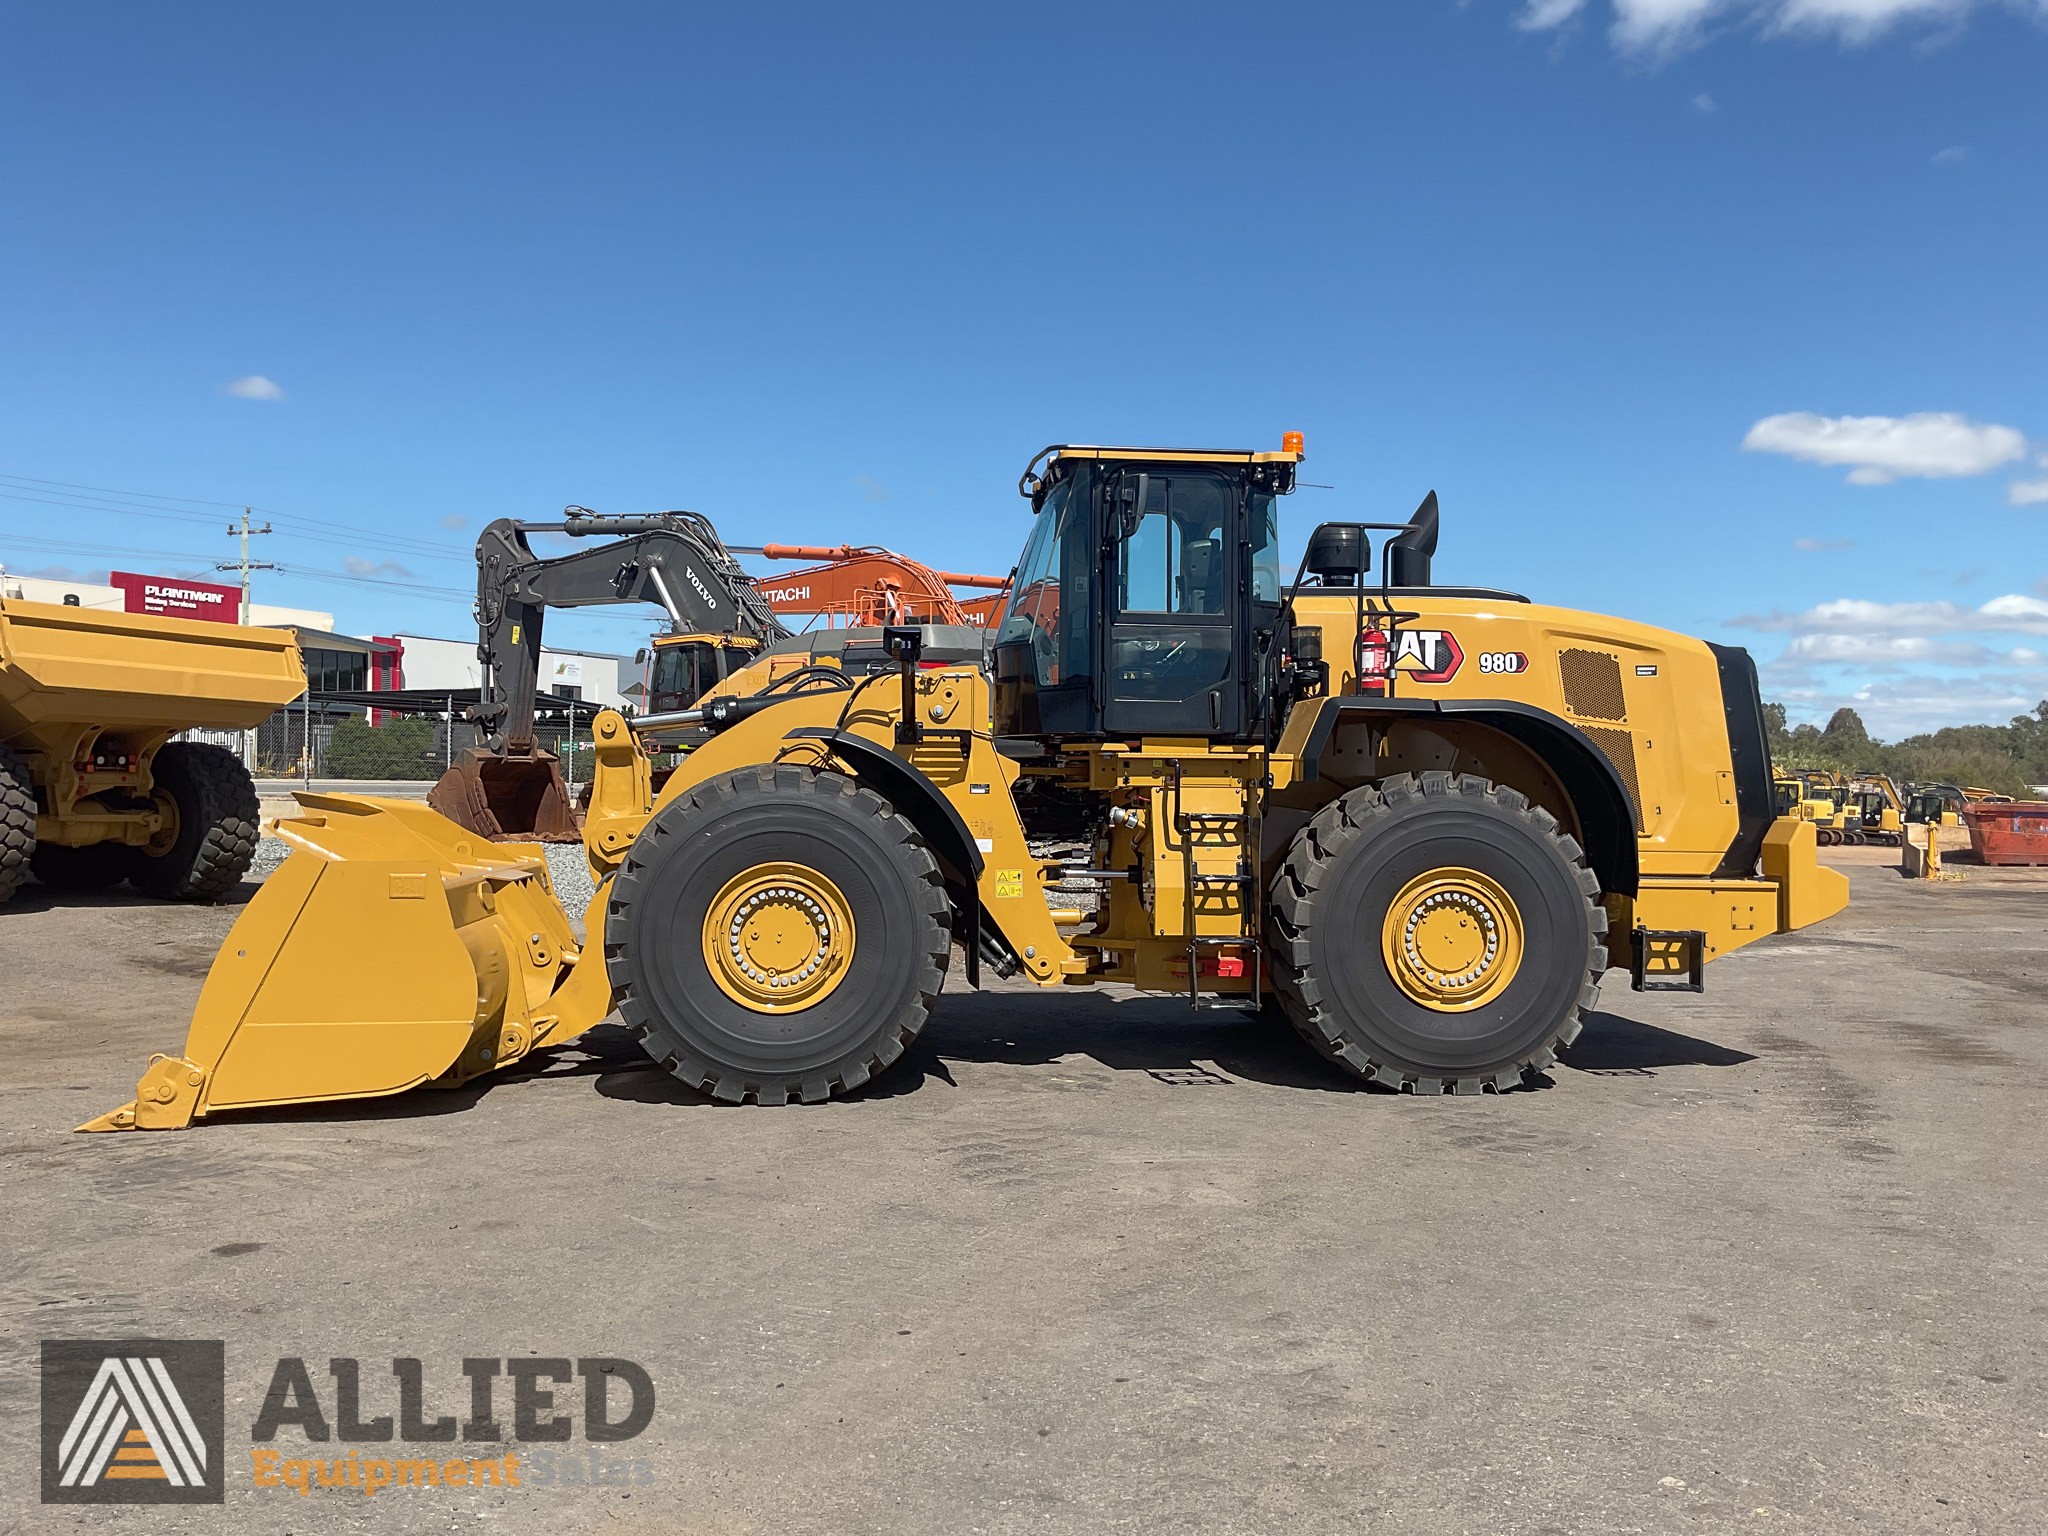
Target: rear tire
(1378, 868)
(94, 867)
(816, 851)
(218, 824)
(17, 822)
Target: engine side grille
(1592, 684)
(1620, 748)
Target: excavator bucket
(391, 949)
(507, 797)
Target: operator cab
(683, 668)
(1147, 576)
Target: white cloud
(2029, 493)
(1902, 694)
(1893, 707)
(1660, 26)
(2011, 614)
(455, 522)
(1955, 154)
(1811, 545)
(359, 567)
(1704, 102)
(1858, 21)
(1880, 449)
(1889, 651)
(1665, 27)
(254, 387)
(1541, 15)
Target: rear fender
(1605, 814)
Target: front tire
(1437, 933)
(215, 821)
(777, 934)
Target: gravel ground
(1092, 1263)
(571, 873)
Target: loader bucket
(507, 797)
(391, 949)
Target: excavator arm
(672, 559)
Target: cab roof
(1051, 458)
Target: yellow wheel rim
(778, 938)
(165, 838)
(1452, 940)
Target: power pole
(245, 565)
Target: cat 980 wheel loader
(1425, 819)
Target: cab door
(1173, 557)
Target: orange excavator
(852, 587)
(721, 621)
(866, 584)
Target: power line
(13, 487)
(67, 547)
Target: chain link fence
(343, 744)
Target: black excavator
(511, 786)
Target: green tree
(1844, 731)
(400, 749)
(2007, 758)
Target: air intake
(1620, 748)
(1592, 684)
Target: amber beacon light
(1290, 442)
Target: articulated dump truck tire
(17, 822)
(777, 935)
(1438, 933)
(212, 838)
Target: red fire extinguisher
(1375, 659)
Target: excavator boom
(511, 787)
(865, 584)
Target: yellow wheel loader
(1423, 819)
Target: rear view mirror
(640, 657)
(1128, 493)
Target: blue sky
(834, 273)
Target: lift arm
(673, 559)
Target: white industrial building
(426, 662)
(86, 594)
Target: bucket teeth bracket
(165, 1100)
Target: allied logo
(133, 1421)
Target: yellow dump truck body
(88, 699)
(66, 668)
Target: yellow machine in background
(1423, 819)
(1879, 807)
(93, 790)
